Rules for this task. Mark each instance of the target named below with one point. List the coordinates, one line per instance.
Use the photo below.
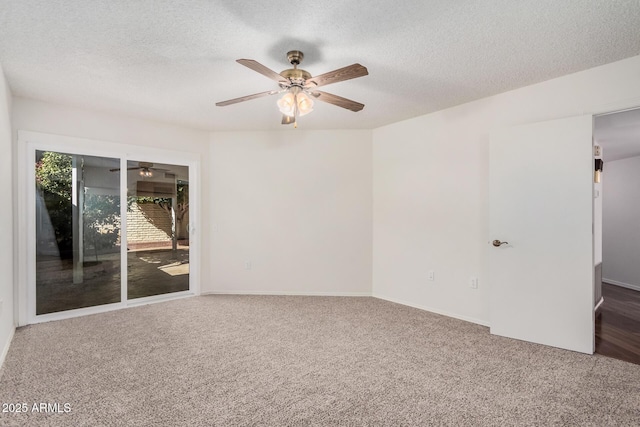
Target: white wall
(297, 205)
(430, 186)
(6, 221)
(325, 212)
(38, 116)
(621, 222)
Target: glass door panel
(157, 229)
(77, 203)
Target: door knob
(498, 243)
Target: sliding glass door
(89, 250)
(77, 206)
(157, 229)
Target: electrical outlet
(473, 283)
(597, 150)
(247, 265)
(431, 275)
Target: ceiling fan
(300, 88)
(146, 169)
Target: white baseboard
(434, 310)
(621, 284)
(288, 293)
(349, 294)
(5, 348)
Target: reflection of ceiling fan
(146, 169)
(300, 87)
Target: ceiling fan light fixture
(295, 103)
(300, 87)
(286, 104)
(146, 173)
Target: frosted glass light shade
(286, 104)
(295, 103)
(305, 104)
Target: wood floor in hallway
(618, 324)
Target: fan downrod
(296, 76)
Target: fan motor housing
(296, 74)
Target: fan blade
(247, 98)
(256, 66)
(339, 75)
(337, 100)
(287, 120)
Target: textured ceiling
(172, 60)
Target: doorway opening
(617, 212)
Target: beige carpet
(296, 361)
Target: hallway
(618, 324)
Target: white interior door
(541, 203)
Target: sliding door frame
(28, 143)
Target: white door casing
(541, 203)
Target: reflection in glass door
(77, 202)
(157, 229)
